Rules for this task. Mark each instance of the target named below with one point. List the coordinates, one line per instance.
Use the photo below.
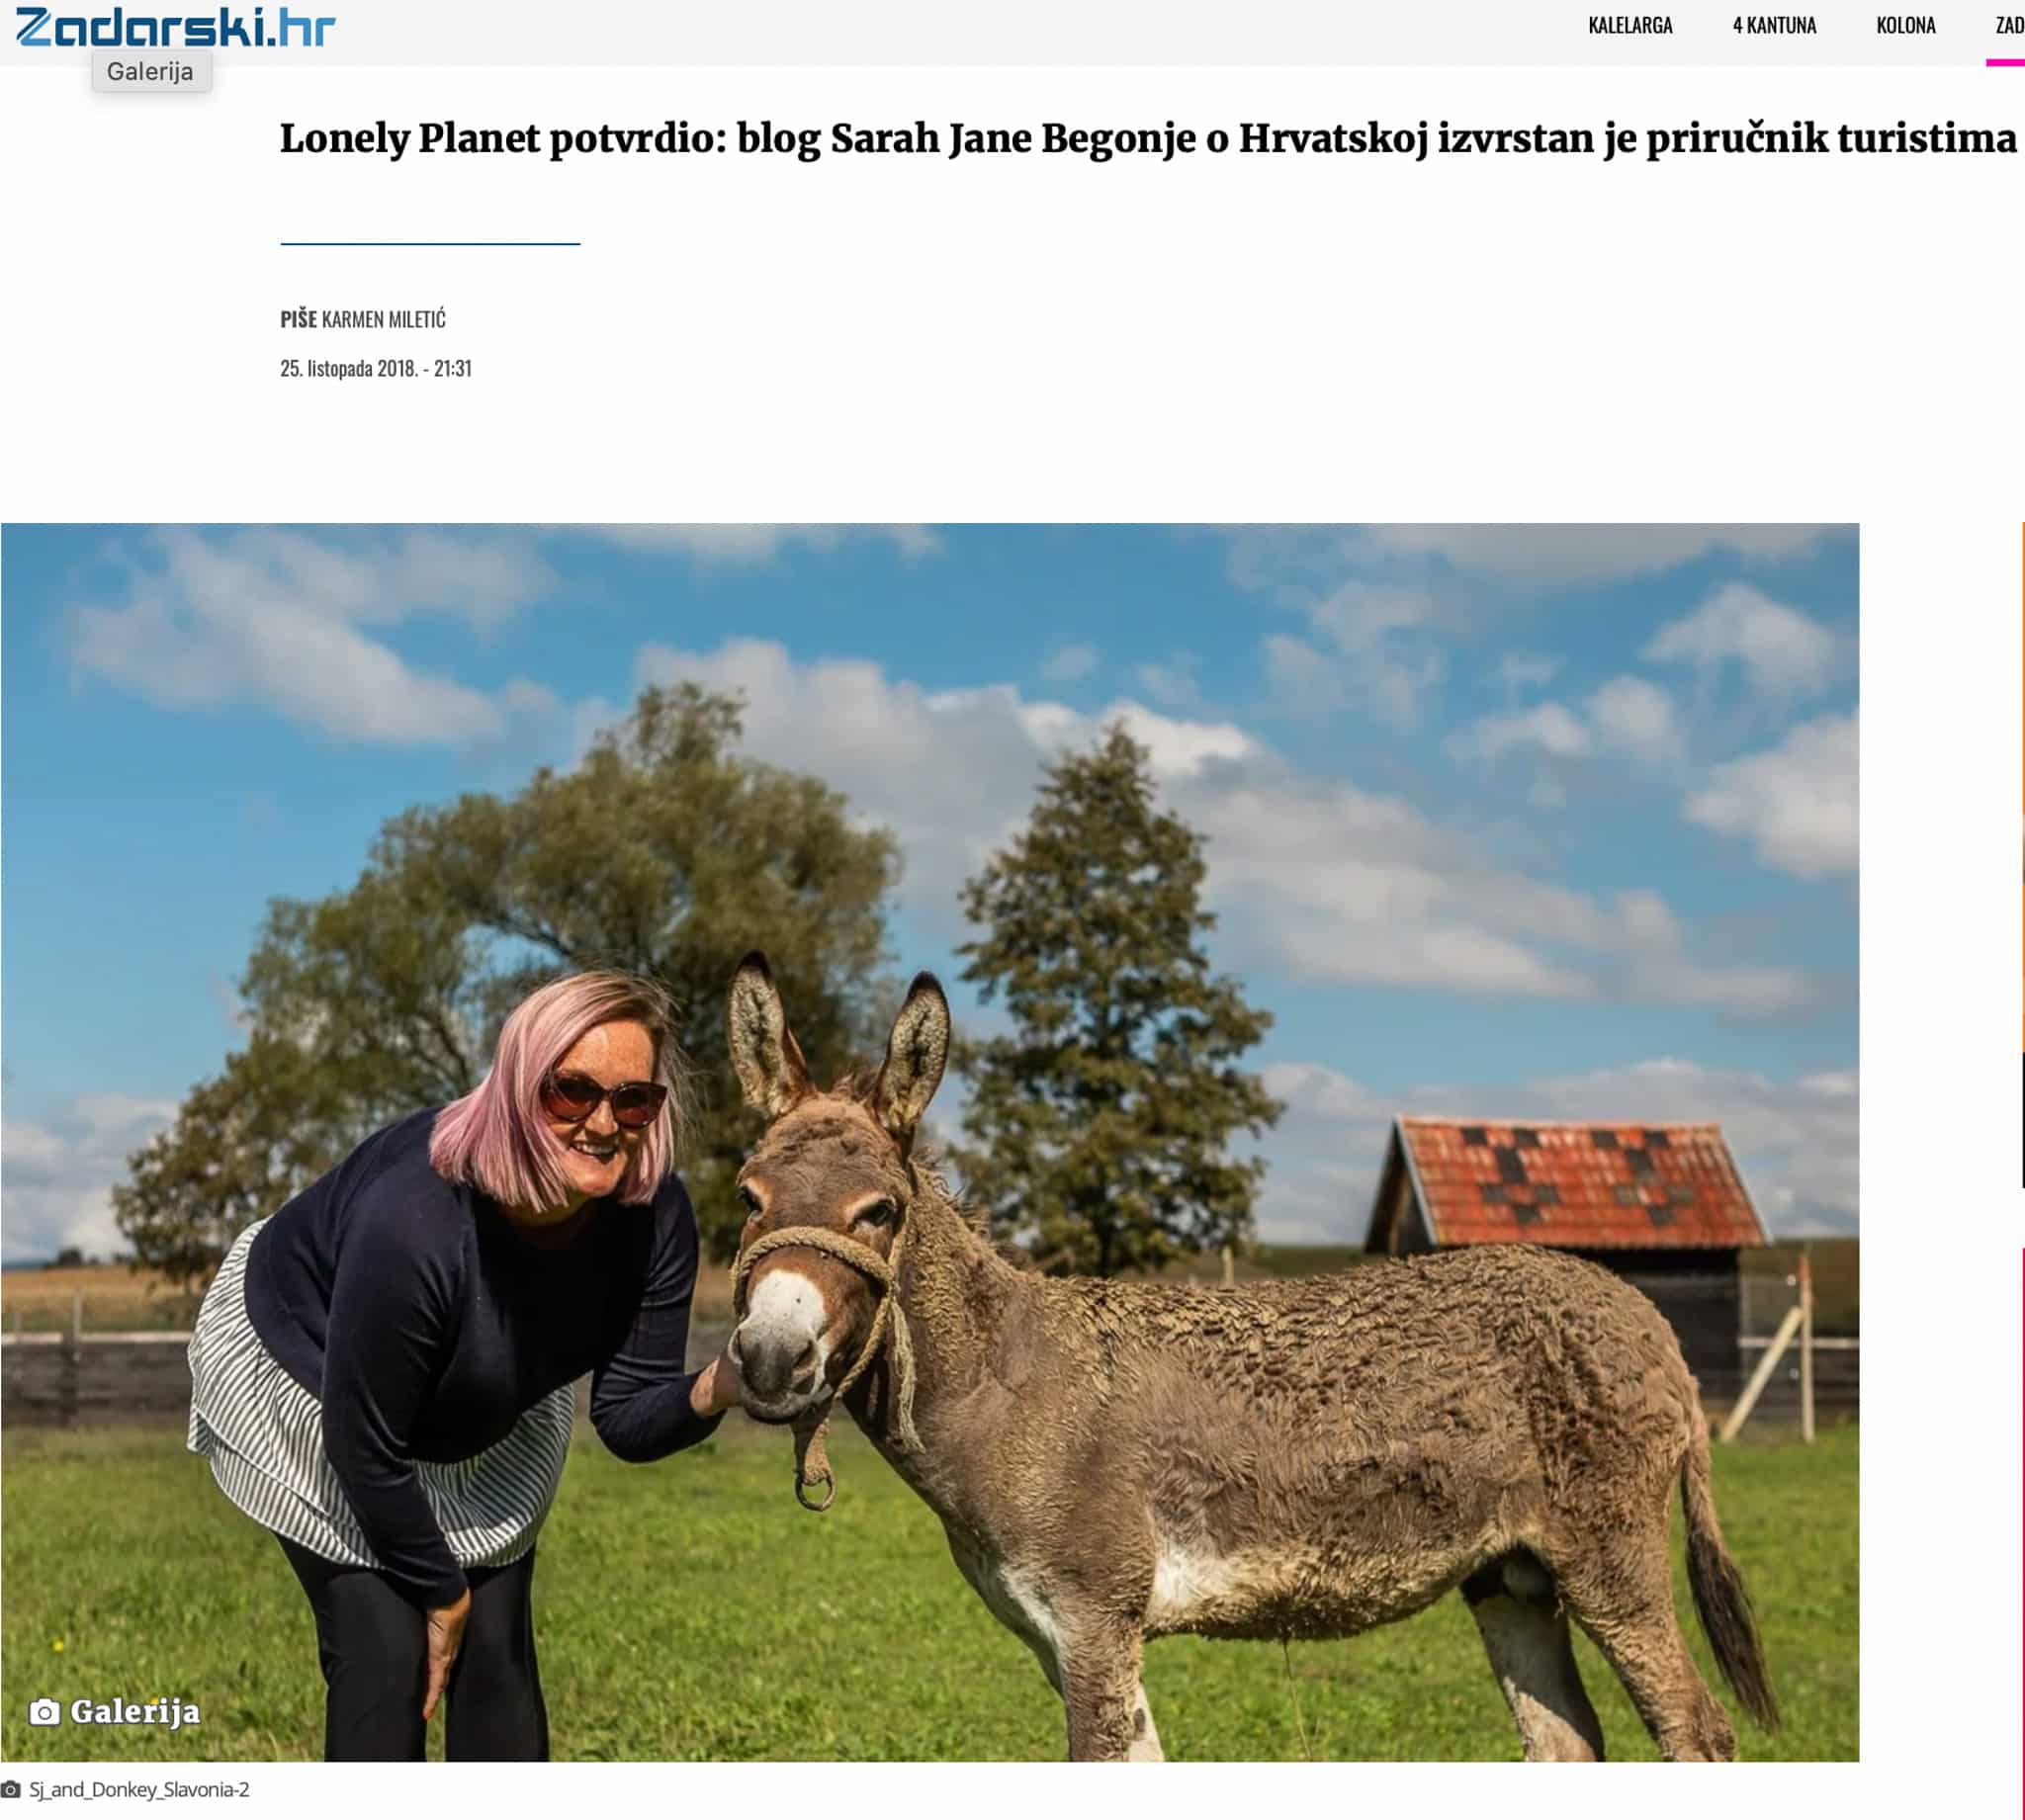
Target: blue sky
(1554, 821)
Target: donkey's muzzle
(777, 1368)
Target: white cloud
(1524, 670)
(59, 1172)
(1379, 613)
(1357, 615)
(1311, 877)
(1172, 684)
(1627, 716)
(1576, 556)
(281, 618)
(1367, 649)
(1795, 1141)
(1783, 651)
(1334, 885)
(1631, 714)
(1655, 966)
(1179, 751)
(1549, 726)
(759, 543)
(1070, 663)
(1382, 603)
(1301, 678)
(1796, 804)
(1323, 1155)
(954, 772)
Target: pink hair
(497, 1137)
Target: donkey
(1116, 1461)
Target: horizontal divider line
(432, 243)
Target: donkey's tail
(1720, 1596)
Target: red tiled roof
(1580, 1186)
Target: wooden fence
(1837, 1381)
(75, 1380)
(66, 1381)
(72, 1380)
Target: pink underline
(2003, 63)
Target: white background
(1262, 339)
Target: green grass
(693, 1611)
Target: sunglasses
(575, 1097)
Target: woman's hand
(717, 1387)
(446, 1637)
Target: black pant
(374, 1647)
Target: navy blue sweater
(414, 1311)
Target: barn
(1663, 1206)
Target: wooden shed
(1663, 1206)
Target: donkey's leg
(1526, 1635)
(1621, 1595)
(1652, 1661)
(1108, 1718)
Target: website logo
(119, 29)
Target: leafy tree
(1100, 1127)
(665, 851)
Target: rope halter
(812, 1456)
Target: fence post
(71, 1364)
(1762, 1376)
(1806, 1346)
(1230, 1274)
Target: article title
(1413, 141)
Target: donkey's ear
(765, 1052)
(914, 1056)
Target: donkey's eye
(748, 1200)
(879, 1213)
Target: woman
(382, 1372)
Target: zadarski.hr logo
(121, 30)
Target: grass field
(693, 1611)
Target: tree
(1100, 1127)
(665, 851)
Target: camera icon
(10, 1791)
(45, 1712)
